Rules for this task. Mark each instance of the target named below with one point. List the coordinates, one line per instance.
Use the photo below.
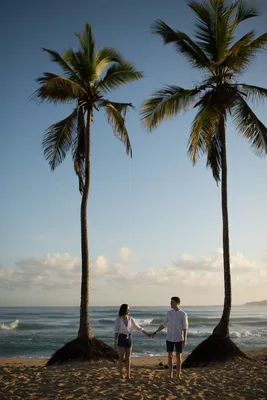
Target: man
(177, 324)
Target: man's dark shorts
(171, 345)
(124, 341)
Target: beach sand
(30, 379)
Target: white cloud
(63, 271)
(100, 266)
(125, 254)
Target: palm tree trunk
(222, 329)
(85, 331)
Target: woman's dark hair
(123, 309)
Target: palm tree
(222, 60)
(87, 77)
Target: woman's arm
(115, 340)
(116, 329)
(138, 328)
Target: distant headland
(257, 303)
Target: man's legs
(179, 364)
(170, 363)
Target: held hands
(150, 335)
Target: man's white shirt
(175, 321)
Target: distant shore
(28, 378)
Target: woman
(124, 325)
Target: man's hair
(176, 299)
(123, 310)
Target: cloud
(63, 271)
(47, 272)
(100, 266)
(214, 262)
(125, 254)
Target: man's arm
(184, 337)
(162, 326)
(185, 328)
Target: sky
(154, 220)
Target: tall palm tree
(222, 60)
(87, 77)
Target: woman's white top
(120, 326)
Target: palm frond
(83, 67)
(223, 17)
(252, 92)
(183, 43)
(244, 12)
(205, 28)
(117, 75)
(58, 139)
(204, 127)
(232, 57)
(55, 89)
(166, 103)
(243, 52)
(116, 113)
(214, 155)
(104, 58)
(87, 42)
(249, 126)
(257, 44)
(56, 57)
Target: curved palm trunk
(222, 329)
(85, 331)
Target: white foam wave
(233, 334)
(144, 321)
(9, 327)
(149, 354)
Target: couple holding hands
(176, 322)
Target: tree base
(214, 348)
(83, 350)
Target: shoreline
(257, 353)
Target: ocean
(38, 332)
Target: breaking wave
(9, 327)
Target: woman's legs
(121, 351)
(128, 352)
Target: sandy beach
(30, 379)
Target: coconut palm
(222, 60)
(88, 76)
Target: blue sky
(154, 212)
